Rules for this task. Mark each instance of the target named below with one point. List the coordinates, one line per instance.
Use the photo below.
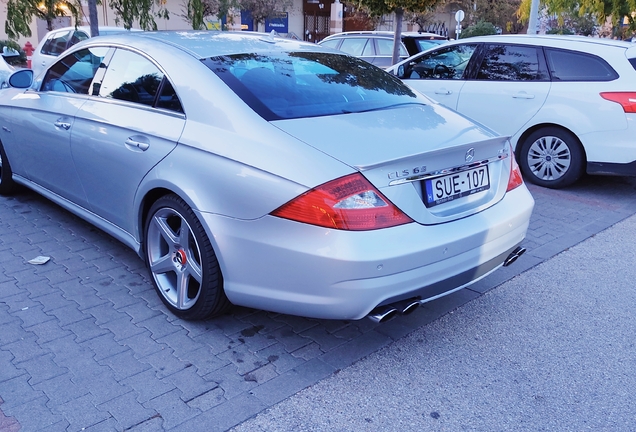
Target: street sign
(459, 16)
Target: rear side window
(56, 43)
(385, 48)
(332, 43)
(354, 46)
(133, 78)
(576, 66)
(512, 63)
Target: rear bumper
(292, 268)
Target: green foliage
(599, 10)
(482, 28)
(143, 12)
(20, 14)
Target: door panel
(511, 86)
(440, 75)
(42, 134)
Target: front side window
(511, 63)
(576, 66)
(309, 84)
(445, 63)
(74, 72)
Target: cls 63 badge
(407, 172)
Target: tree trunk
(399, 16)
(92, 17)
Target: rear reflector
(347, 203)
(626, 99)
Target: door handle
(523, 95)
(138, 144)
(62, 125)
(443, 91)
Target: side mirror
(21, 79)
(400, 71)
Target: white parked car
(57, 41)
(568, 102)
(265, 172)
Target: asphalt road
(552, 349)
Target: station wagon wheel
(181, 261)
(552, 157)
(7, 185)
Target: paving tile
(41, 369)
(119, 296)
(147, 386)
(32, 315)
(224, 416)
(68, 314)
(190, 383)
(142, 344)
(203, 359)
(61, 388)
(127, 411)
(36, 416)
(165, 363)
(280, 358)
(230, 381)
(7, 369)
(17, 391)
(104, 346)
(140, 311)
(244, 359)
(85, 330)
(12, 331)
(123, 328)
(172, 409)
(208, 400)
(159, 326)
(81, 413)
(125, 364)
(25, 348)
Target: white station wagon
(568, 102)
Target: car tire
(552, 157)
(7, 185)
(182, 262)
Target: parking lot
(86, 344)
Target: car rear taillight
(626, 99)
(347, 203)
(515, 180)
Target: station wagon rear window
(576, 66)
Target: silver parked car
(264, 172)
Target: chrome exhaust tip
(514, 255)
(383, 314)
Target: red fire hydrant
(28, 50)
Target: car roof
(385, 33)
(542, 39)
(210, 43)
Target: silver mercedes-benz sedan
(253, 170)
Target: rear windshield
(309, 84)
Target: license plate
(453, 186)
